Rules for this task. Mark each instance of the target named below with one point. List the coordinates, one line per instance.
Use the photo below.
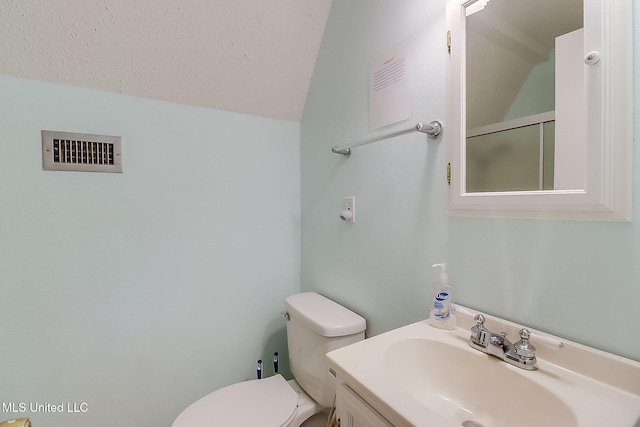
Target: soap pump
(441, 315)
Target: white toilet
(316, 325)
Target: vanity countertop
(418, 375)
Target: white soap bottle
(441, 315)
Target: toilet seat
(269, 402)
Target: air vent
(67, 151)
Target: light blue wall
(381, 265)
(537, 94)
(140, 292)
(555, 276)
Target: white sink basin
(467, 386)
(421, 376)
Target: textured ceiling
(250, 56)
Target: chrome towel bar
(433, 130)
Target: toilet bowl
(268, 402)
(315, 326)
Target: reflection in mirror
(516, 158)
(524, 80)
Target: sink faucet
(521, 354)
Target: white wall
(139, 292)
(579, 280)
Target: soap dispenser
(441, 315)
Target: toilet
(315, 326)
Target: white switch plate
(349, 203)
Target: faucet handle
(479, 318)
(479, 336)
(479, 327)
(524, 348)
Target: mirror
(539, 108)
(524, 57)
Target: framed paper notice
(390, 87)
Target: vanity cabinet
(353, 411)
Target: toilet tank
(317, 326)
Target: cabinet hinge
(449, 173)
(449, 42)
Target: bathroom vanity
(418, 375)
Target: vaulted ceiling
(250, 56)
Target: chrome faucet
(521, 354)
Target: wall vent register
(68, 151)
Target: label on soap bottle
(442, 306)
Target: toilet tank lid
(324, 316)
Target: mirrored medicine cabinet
(539, 108)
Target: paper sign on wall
(390, 87)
